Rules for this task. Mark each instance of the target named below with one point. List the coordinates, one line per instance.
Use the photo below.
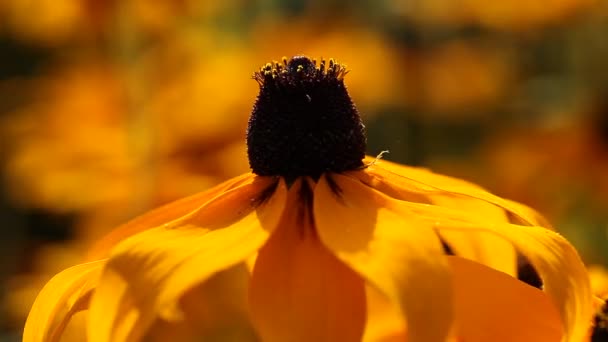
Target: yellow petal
(424, 181)
(557, 262)
(413, 192)
(486, 249)
(398, 254)
(64, 295)
(162, 215)
(148, 273)
(75, 330)
(216, 310)
(489, 306)
(300, 291)
(492, 306)
(384, 320)
(483, 248)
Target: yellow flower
(505, 16)
(321, 244)
(599, 280)
(488, 76)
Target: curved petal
(398, 254)
(486, 249)
(564, 276)
(489, 306)
(299, 291)
(148, 273)
(384, 320)
(162, 215)
(75, 330)
(64, 295)
(214, 311)
(424, 181)
(493, 306)
(412, 191)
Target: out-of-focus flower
(568, 184)
(332, 240)
(507, 16)
(23, 288)
(186, 73)
(56, 21)
(456, 76)
(87, 128)
(83, 21)
(599, 280)
(525, 15)
(73, 136)
(84, 132)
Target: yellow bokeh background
(111, 108)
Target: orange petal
(148, 273)
(384, 319)
(489, 250)
(557, 262)
(486, 249)
(493, 306)
(162, 215)
(64, 295)
(398, 254)
(300, 291)
(424, 181)
(216, 310)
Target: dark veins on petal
(305, 211)
(265, 195)
(304, 123)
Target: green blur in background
(111, 108)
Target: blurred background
(110, 108)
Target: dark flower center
(303, 122)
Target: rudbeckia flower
(321, 243)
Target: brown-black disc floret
(304, 123)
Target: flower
(320, 243)
(488, 73)
(54, 154)
(599, 280)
